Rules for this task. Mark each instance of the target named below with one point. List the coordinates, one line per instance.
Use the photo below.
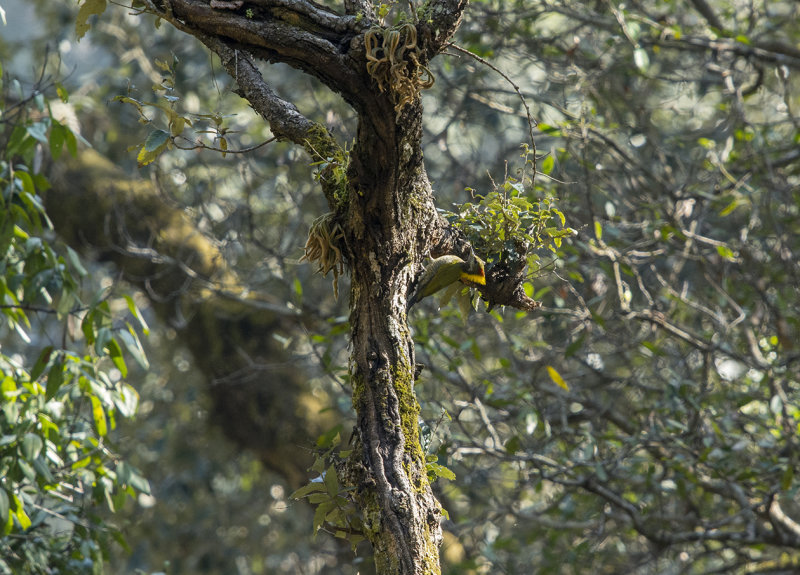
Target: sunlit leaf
(556, 377)
(99, 415)
(88, 8)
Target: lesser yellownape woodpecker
(443, 271)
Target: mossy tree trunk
(226, 326)
(389, 222)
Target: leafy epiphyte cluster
(508, 223)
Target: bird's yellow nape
(474, 278)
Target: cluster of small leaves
(59, 400)
(508, 223)
(331, 161)
(169, 122)
(335, 511)
(159, 140)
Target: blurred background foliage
(668, 440)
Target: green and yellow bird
(443, 271)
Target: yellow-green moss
(403, 381)
(333, 161)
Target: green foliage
(168, 122)
(335, 511)
(676, 140)
(509, 223)
(88, 9)
(61, 393)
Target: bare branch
(284, 118)
(708, 13)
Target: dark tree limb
(284, 118)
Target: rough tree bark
(385, 208)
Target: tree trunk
(386, 230)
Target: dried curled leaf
(321, 247)
(393, 61)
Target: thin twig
(531, 122)
(213, 149)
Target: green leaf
(330, 438)
(732, 206)
(87, 9)
(547, 164)
(127, 474)
(155, 140)
(131, 342)
(126, 400)
(87, 327)
(38, 130)
(331, 481)
(75, 261)
(102, 337)
(55, 379)
(726, 253)
(307, 489)
(22, 517)
(513, 445)
(137, 314)
(4, 507)
(41, 363)
(440, 471)
(155, 143)
(598, 230)
(57, 135)
(99, 415)
(31, 446)
(322, 511)
(115, 353)
(62, 92)
(72, 142)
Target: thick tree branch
(300, 34)
(284, 118)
